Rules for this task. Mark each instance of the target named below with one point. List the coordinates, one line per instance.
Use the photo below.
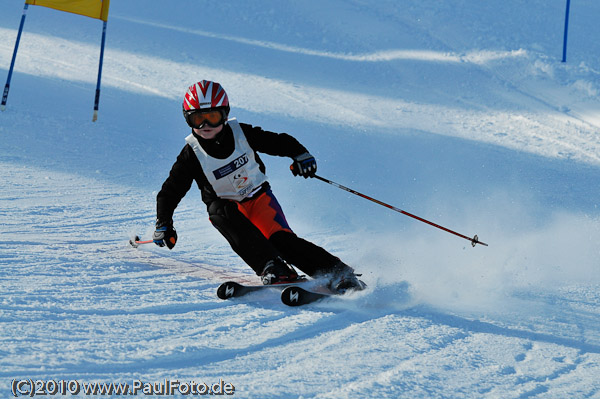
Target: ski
(297, 296)
(232, 289)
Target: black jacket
(187, 167)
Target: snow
(459, 112)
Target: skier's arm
(175, 187)
(279, 144)
(282, 144)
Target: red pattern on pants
(265, 213)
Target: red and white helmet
(205, 95)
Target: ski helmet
(205, 96)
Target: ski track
(103, 310)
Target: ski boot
(343, 279)
(276, 271)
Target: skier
(221, 155)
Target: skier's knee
(283, 238)
(226, 216)
(223, 208)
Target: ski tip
(296, 296)
(291, 296)
(228, 289)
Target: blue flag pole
(97, 98)
(14, 57)
(564, 57)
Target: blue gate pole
(97, 98)
(564, 57)
(12, 62)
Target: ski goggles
(197, 119)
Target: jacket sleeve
(175, 187)
(278, 144)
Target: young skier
(221, 156)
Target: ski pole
(136, 242)
(474, 240)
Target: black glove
(304, 165)
(165, 234)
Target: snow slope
(459, 112)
